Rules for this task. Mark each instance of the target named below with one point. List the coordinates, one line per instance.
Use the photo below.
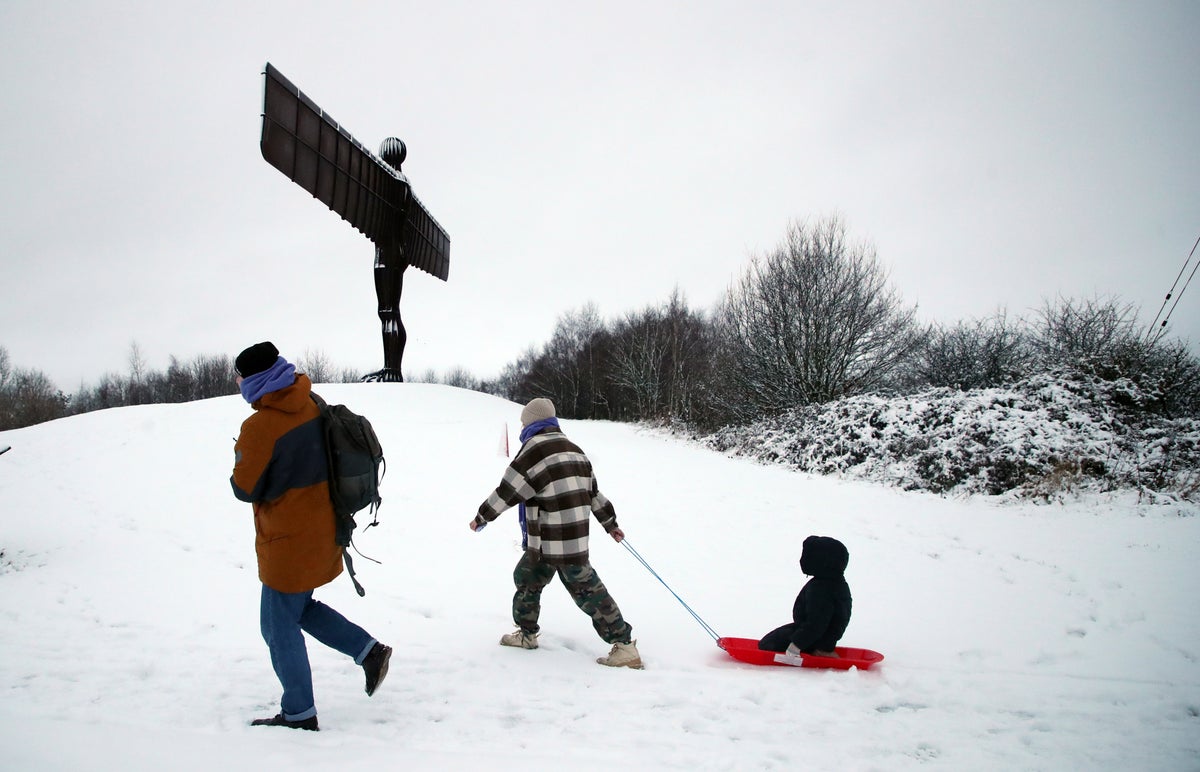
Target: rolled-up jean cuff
(301, 715)
(363, 655)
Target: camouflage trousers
(589, 593)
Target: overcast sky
(995, 154)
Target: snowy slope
(1016, 636)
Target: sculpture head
(393, 152)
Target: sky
(994, 155)
(1015, 636)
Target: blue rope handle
(625, 543)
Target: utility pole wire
(1151, 336)
(1177, 297)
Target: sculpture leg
(389, 283)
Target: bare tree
(1102, 337)
(181, 382)
(975, 354)
(214, 376)
(1176, 373)
(137, 391)
(661, 361)
(513, 382)
(316, 366)
(640, 349)
(28, 397)
(1090, 333)
(8, 402)
(566, 369)
(813, 321)
(462, 378)
(137, 363)
(429, 375)
(692, 345)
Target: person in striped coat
(551, 481)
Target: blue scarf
(278, 376)
(526, 434)
(536, 427)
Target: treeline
(28, 396)
(811, 321)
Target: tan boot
(520, 639)
(623, 655)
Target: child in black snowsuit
(822, 609)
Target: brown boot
(519, 639)
(623, 655)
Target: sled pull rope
(625, 543)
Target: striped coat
(554, 479)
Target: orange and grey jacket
(280, 467)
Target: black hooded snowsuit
(822, 609)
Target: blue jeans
(282, 616)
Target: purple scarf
(278, 376)
(526, 434)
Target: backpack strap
(350, 570)
(349, 561)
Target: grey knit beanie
(538, 409)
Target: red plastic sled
(746, 650)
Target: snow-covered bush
(1041, 437)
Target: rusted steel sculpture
(371, 193)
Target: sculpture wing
(426, 244)
(314, 151)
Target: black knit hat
(257, 358)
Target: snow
(1016, 636)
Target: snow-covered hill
(1017, 636)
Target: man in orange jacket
(280, 468)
